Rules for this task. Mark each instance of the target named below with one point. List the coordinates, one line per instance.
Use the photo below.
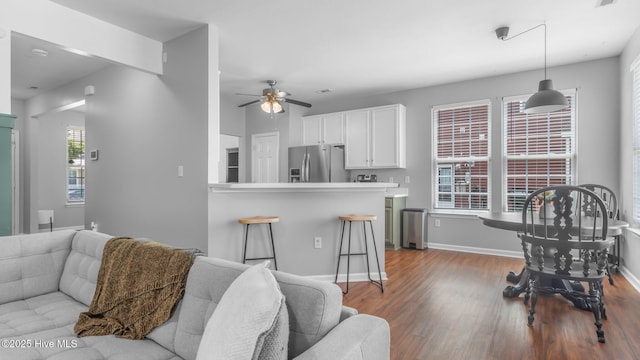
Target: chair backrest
(553, 244)
(608, 198)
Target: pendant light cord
(545, 42)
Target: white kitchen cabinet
(323, 129)
(375, 138)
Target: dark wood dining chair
(565, 251)
(611, 203)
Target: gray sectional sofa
(47, 279)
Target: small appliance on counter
(366, 178)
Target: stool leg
(366, 248)
(348, 259)
(244, 252)
(375, 249)
(273, 248)
(339, 253)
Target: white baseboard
(475, 250)
(353, 277)
(77, 227)
(630, 278)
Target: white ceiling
(366, 47)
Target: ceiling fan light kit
(546, 99)
(273, 98)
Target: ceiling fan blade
(296, 102)
(249, 103)
(248, 94)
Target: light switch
(180, 171)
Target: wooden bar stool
(268, 220)
(364, 219)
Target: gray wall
(145, 126)
(598, 88)
(52, 171)
(631, 242)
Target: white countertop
(354, 186)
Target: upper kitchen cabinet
(375, 138)
(323, 129)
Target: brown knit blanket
(139, 282)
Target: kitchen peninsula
(306, 211)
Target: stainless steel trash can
(414, 229)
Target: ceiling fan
(272, 99)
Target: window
(538, 149)
(461, 155)
(75, 165)
(635, 68)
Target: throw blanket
(139, 282)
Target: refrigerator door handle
(302, 167)
(306, 168)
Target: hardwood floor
(449, 305)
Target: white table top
(513, 221)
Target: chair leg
(273, 248)
(594, 300)
(533, 284)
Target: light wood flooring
(449, 305)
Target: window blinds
(461, 148)
(538, 149)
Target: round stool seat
(357, 217)
(259, 220)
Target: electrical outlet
(407, 179)
(317, 242)
(390, 179)
(437, 222)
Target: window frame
(450, 162)
(635, 158)
(69, 167)
(571, 155)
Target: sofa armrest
(363, 337)
(347, 312)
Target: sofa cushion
(313, 306)
(83, 263)
(64, 345)
(251, 320)
(38, 313)
(31, 265)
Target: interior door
(264, 157)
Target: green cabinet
(6, 188)
(392, 210)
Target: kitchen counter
(304, 186)
(306, 211)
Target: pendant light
(546, 99)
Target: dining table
(512, 221)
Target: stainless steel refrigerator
(317, 163)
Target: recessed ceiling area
(46, 68)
